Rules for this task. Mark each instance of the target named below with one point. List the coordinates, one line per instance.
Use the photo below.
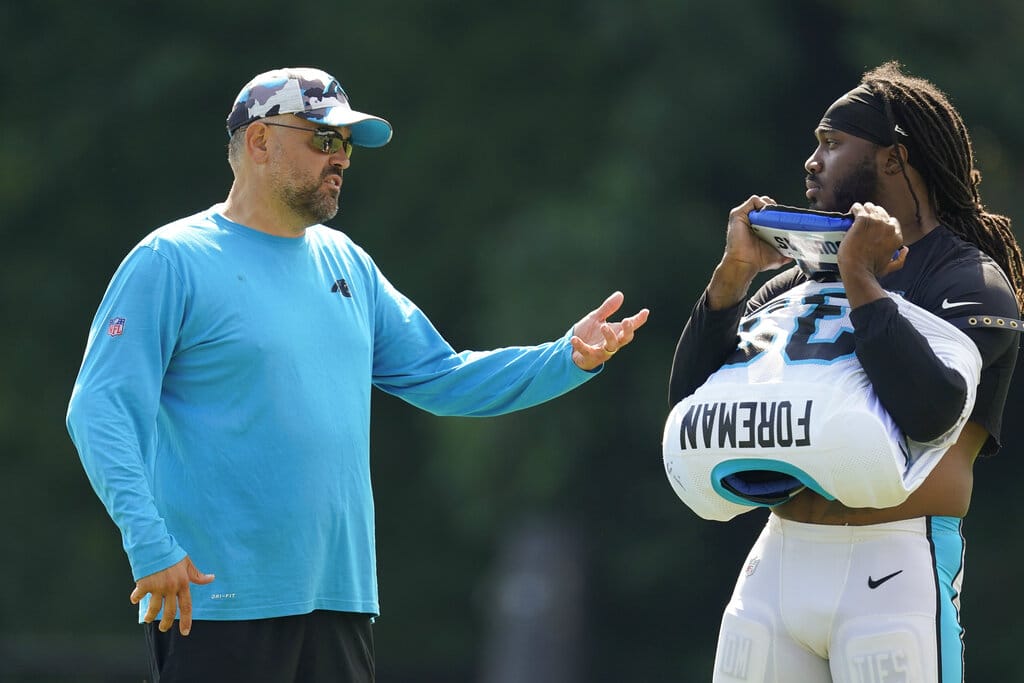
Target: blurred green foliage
(545, 154)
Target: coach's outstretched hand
(169, 590)
(595, 340)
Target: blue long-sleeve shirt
(222, 409)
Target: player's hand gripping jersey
(792, 408)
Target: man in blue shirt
(222, 410)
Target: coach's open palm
(595, 340)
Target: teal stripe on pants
(948, 550)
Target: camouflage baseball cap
(311, 94)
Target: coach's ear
(256, 142)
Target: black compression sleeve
(923, 396)
(706, 341)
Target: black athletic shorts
(319, 647)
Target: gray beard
(304, 197)
(312, 203)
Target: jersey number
(806, 343)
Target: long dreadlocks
(940, 148)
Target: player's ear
(893, 155)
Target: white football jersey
(793, 403)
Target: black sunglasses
(326, 141)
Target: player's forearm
(861, 287)
(729, 284)
(902, 368)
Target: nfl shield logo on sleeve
(115, 328)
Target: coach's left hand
(595, 340)
(169, 590)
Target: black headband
(861, 112)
